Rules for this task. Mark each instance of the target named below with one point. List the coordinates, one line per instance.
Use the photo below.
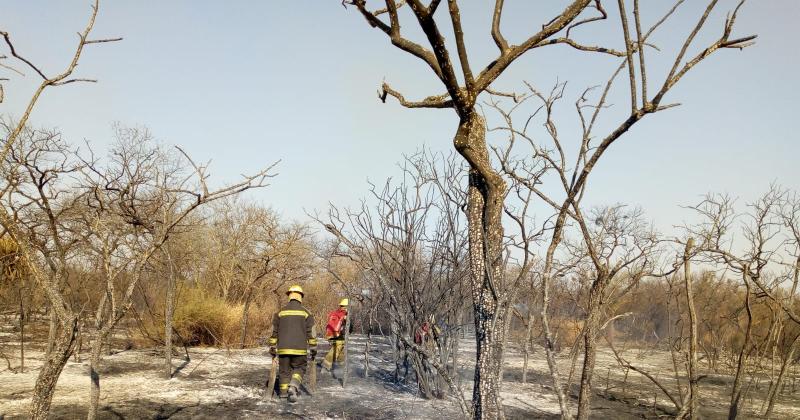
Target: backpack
(335, 323)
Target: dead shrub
(568, 331)
(259, 323)
(203, 319)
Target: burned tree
(55, 253)
(487, 187)
(409, 247)
(70, 210)
(770, 226)
(613, 254)
(40, 211)
(137, 201)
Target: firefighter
(334, 332)
(293, 339)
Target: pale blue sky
(248, 83)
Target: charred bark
(485, 195)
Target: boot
(326, 365)
(292, 394)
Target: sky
(245, 83)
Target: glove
(313, 353)
(273, 352)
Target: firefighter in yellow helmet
(293, 339)
(334, 333)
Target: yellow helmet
(344, 302)
(296, 289)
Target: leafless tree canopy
(494, 242)
(490, 180)
(66, 209)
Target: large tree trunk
(486, 392)
(485, 196)
(51, 369)
(590, 348)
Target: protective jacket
(337, 325)
(293, 330)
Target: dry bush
(259, 323)
(9, 268)
(568, 331)
(204, 319)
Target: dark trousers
(291, 370)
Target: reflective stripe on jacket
(293, 330)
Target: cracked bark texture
(485, 195)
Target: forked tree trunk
(51, 369)
(485, 196)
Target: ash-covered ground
(220, 383)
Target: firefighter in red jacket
(293, 339)
(335, 334)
